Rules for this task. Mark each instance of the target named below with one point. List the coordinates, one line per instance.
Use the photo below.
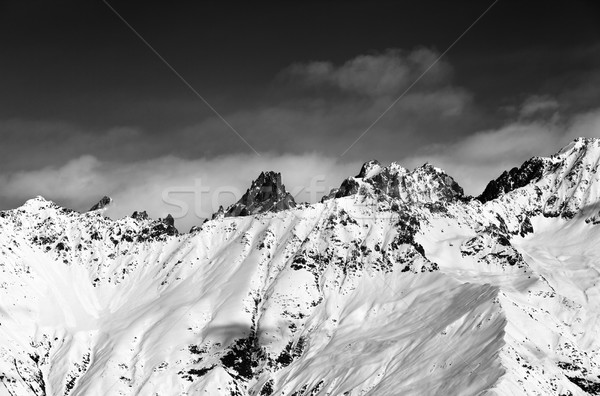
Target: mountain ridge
(268, 194)
(399, 285)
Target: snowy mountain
(395, 284)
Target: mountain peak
(369, 169)
(219, 214)
(104, 202)
(580, 143)
(426, 183)
(37, 203)
(563, 184)
(530, 171)
(266, 194)
(140, 215)
(37, 199)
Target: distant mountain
(395, 284)
(103, 203)
(564, 184)
(266, 194)
(424, 184)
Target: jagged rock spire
(105, 201)
(266, 194)
(530, 171)
(164, 226)
(219, 214)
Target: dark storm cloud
(73, 61)
(295, 125)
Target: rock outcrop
(266, 194)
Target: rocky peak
(576, 160)
(529, 172)
(434, 184)
(164, 226)
(158, 227)
(169, 221)
(424, 184)
(219, 214)
(563, 184)
(578, 145)
(140, 215)
(369, 169)
(266, 194)
(104, 202)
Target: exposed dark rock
(530, 171)
(327, 197)
(140, 215)
(219, 214)
(164, 226)
(428, 183)
(590, 387)
(266, 194)
(169, 221)
(195, 228)
(348, 187)
(424, 184)
(101, 204)
(525, 227)
(243, 357)
(368, 167)
(267, 389)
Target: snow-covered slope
(566, 184)
(395, 284)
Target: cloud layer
(481, 157)
(375, 75)
(190, 190)
(188, 171)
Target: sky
(87, 109)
